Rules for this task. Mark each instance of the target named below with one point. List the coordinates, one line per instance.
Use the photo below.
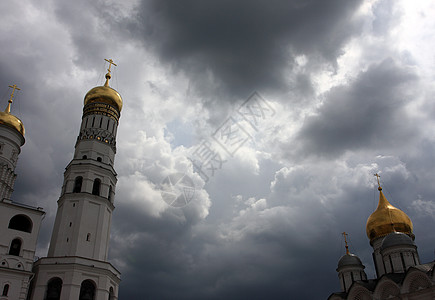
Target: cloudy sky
(346, 90)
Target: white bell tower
(76, 266)
(19, 223)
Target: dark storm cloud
(370, 112)
(245, 45)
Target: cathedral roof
(396, 239)
(349, 260)
(387, 219)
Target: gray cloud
(269, 223)
(368, 113)
(245, 45)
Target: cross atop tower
(108, 76)
(345, 242)
(14, 87)
(110, 61)
(377, 177)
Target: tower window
(21, 223)
(15, 247)
(99, 159)
(87, 290)
(70, 224)
(88, 237)
(85, 157)
(109, 197)
(5, 290)
(111, 294)
(54, 287)
(96, 187)
(78, 184)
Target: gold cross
(377, 177)
(14, 87)
(345, 242)
(110, 61)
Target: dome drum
(101, 108)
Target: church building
(76, 266)
(399, 272)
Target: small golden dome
(387, 219)
(12, 121)
(104, 94)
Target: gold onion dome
(8, 119)
(387, 219)
(104, 94)
(11, 121)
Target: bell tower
(19, 223)
(76, 266)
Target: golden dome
(387, 219)
(12, 121)
(104, 94)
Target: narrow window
(93, 121)
(54, 287)
(108, 121)
(87, 290)
(96, 187)
(74, 205)
(88, 237)
(5, 290)
(110, 194)
(101, 122)
(15, 247)
(111, 294)
(403, 262)
(70, 224)
(78, 184)
(86, 124)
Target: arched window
(21, 223)
(87, 290)
(96, 187)
(78, 184)
(54, 288)
(15, 247)
(99, 159)
(85, 157)
(111, 294)
(6, 290)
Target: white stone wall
(16, 270)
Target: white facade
(76, 266)
(19, 224)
